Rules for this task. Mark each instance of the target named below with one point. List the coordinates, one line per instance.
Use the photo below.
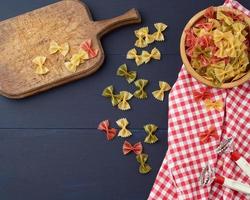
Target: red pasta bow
(202, 95)
(87, 46)
(127, 148)
(110, 132)
(205, 136)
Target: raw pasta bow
(144, 38)
(159, 94)
(124, 97)
(132, 54)
(140, 93)
(150, 129)
(55, 47)
(123, 71)
(124, 132)
(217, 105)
(110, 132)
(144, 167)
(158, 35)
(109, 93)
(205, 136)
(76, 60)
(40, 61)
(154, 54)
(87, 46)
(136, 148)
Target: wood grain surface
(29, 35)
(49, 146)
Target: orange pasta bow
(110, 132)
(127, 148)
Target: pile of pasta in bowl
(217, 46)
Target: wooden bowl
(186, 62)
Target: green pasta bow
(140, 93)
(144, 167)
(109, 93)
(123, 71)
(151, 137)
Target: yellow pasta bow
(160, 27)
(155, 54)
(140, 93)
(150, 129)
(76, 60)
(144, 167)
(124, 132)
(217, 105)
(159, 94)
(221, 16)
(140, 34)
(123, 71)
(132, 54)
(55, 47)
(39, 61)
(124, 97)
(144, 38)
(109, 92)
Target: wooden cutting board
(24, 37)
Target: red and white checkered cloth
(178, 177)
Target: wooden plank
(73, 164)
(31, 34)
(80, 104)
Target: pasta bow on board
(40, 61)
(109, 93)
(76, 60)
(124, 132)
(110, 132)
(158, 35)
(154, 54)
(140, 93)
(132, 54)
(123, 71)
(144, 167)
(159, 94)
(206, 136)
(217, 105)
(151, 137)
(87, 46)
(124, 97)
(136, 148)
(55, 47)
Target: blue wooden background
(49, 146)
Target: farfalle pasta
(144, 168)
(109, 93)
(132, 54)
(140, 92)
(154, 54)
(55, 47)
(130, 76)
(214, 105)
(76, 60)
(150, 129)
(124, 98)
(159, 94)
(158, 35)
(124, 132)
(39, 61)
(217, 46)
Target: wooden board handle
(104, 26)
